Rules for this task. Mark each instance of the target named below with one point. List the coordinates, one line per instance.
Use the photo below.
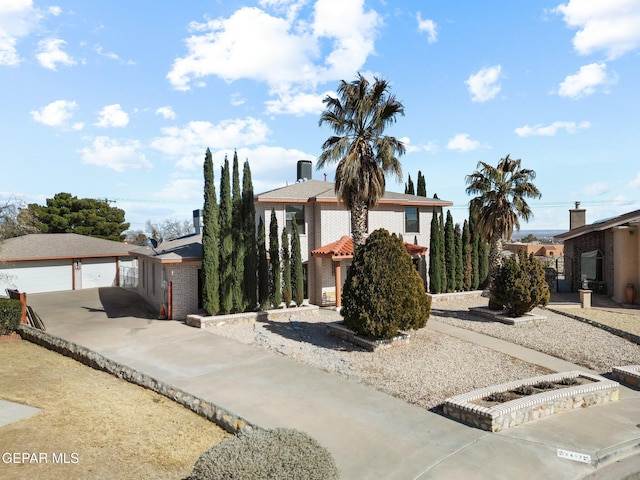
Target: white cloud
(166, 112)
(237, 99)
(428, 26)
(485, 84)
(427, 147)
(119, 156)
(622, 200)
(635, 183)
(462, 143)
(56, 114)
(180, 188)
(18, 18)
(55, 10)
(551, 130)
(598, 188)
(296, 104)
(112, 116)
(584, 82)
(50, 53)
(612, 26)
(189, 142)
(332, 42)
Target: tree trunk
(358, 222)
(495, 260)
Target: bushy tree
(16, 219)
(383, 292)
(286, 267)
(521, 284)
(249, 236)
(168, 229)
(435, 266)
(297, 275)
(226, 241)
(275, 277)
(210, 239)
(263, 268)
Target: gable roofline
(178, 250)
(626, 219)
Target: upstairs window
(411, 220)
(295, 214)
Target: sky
(119, 100)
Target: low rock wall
(629, 375)
(206, 321)
(222, 417)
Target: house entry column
(336, 266)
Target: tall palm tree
(358, 116)
(499, 203)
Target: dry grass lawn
(112, 429)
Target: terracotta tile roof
(344, 248)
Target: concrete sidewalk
(371, 435)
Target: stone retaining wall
(531, 407)
(222, 417)
(629, 375)
(206, 321)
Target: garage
(39, 263)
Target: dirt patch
(104, 426)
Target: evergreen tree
(450, 252)
(249, 236)
(210, 234)
(483, 254)
(239, 296)
(286, 268)
(263, 268)
(297, 274)
(467, 248)
(475, 253)
(275, 285)
(410, 188)
(457, 233)
(442, 251)
(226, 241)
(421, 189)
(435, 267)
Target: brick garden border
(221, 416)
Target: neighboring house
(49, 262)
(603, 256)
(323, 222)
(538, 249)
(169, 275)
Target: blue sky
(120, 99)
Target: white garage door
(38, 277)
(98, 272)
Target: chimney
(304, 170)
(197, 221)
(577, 217)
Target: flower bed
(514, 403)
(337, 329)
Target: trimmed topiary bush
(10, 315)
(521, 284)
(281, 453)
(383, 292)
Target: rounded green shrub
(10, 315)
(281, 453)
(383, 292)
(521, 284)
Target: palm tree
(358, 116)
(499, 203)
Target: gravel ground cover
(434, 365)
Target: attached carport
(56, 262)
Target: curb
(221, 416)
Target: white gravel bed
(560, 336)
(431, 368)
(629, 321)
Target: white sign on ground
(578, 457)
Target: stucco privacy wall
(626, 262)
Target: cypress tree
(475, 253)
(238, 291)
(410, 188)
(442, 251)
(249, 236)
(297, 275)
(435, 268)
(286, 268)
(450, 253)
(457, 233)
(421, 189)
(466, 247)
(210, 234)
(483, 254)
(275, 285)
(226, 241)
(263, 268)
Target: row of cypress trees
(420, 189)
(237, 274)
(458, 258)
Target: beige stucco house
(603, 256)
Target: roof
(47, 246)
(319, 191)
(626, 219)
(187, 248)
(343, 248)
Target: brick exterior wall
(184, 281)
(575, 247)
